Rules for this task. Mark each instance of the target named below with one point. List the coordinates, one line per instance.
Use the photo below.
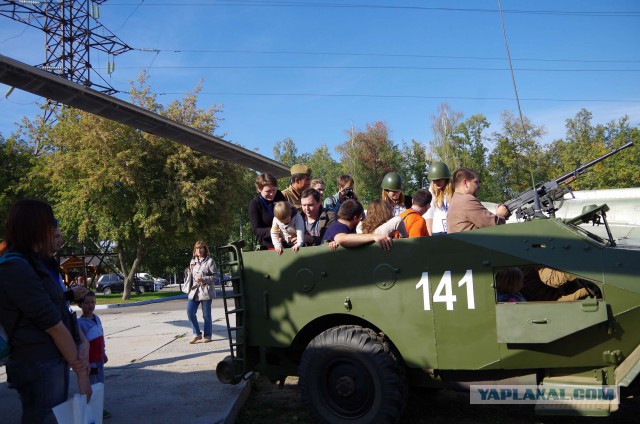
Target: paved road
(154, 375)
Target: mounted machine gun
(532, 203)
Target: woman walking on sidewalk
(203, 274)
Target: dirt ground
(269, 404)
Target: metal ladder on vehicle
(231, 369)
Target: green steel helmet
(392, 181)
(438, 171)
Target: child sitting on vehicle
(285, 227)
(509, 282)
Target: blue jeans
(192, 308)
(41, 386)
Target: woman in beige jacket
(204, 274)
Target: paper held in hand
(77, 411)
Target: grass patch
(108, 299)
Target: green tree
(139, 191)
(323, 167)
(367, 156)
(16, 159)
(286, 152)
(515, 159)
(468, 142)
(443, 128)
(414, 166)
(585, 142)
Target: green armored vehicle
(359, 326)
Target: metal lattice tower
(71, 32)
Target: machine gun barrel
(583, 168)
(544, 195)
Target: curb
(233, 412)
(142, 302)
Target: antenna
(536, 200)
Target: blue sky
(311, 69)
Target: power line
(392, 96)
(410, 68)
(129, 16)
(395, 55)
(245, 3)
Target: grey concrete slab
(154, 375)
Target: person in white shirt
(442, 191)
(285, 227)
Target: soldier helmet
(392, 181)
(438, 171)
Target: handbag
(188, 281)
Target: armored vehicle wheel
(349, 374)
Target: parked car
(224, 280)
(146, 278)
(110, 283)
(144, 284)
(163, 282)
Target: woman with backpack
(43, 336)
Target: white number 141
(444, 291)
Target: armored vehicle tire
(349, 374)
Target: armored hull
(431, 302)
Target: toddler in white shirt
(286, 227)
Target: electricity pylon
(71, 32)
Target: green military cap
(300, 169)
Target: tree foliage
(414, 166)
(469, 144)
(137, 190)
(367, 156)
(286, 152)
(323, 167)
(586, 142)
(443, 127)
(514, 159)
(15, 162)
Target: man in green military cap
(300, 181)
